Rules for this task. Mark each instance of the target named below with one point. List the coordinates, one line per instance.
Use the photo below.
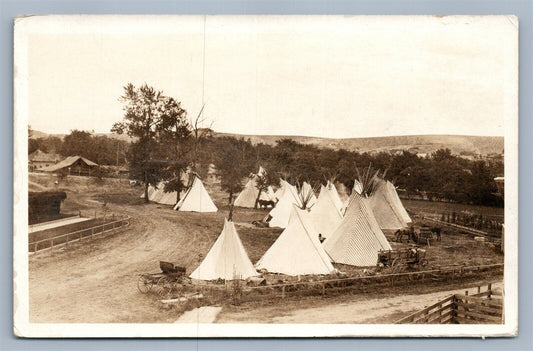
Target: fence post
(283, 292)
(323, 289)
(489, 288)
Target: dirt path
(95, 281)
(54, 224)
(360, 310)
(206, 314)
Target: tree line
(98, 148)
(167, 144)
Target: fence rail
(78, 235)
(363, 283)
(462, 309)
(461, 227)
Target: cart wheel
(144, 284)
(396, 265)
(165, 286)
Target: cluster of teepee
(195, 198)
(352, 230)
(249, 194)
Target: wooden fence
(49, 243)
(365, 283)
(482, 307)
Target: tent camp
(297, 250)
(248, 195)
(281, 213)
(226, 259)
(358, 238)
(196, 199)
(387, 207)
(307, 192)
(325, 216)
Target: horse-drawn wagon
(399, 260)
(170, 278)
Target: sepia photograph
(265, 176)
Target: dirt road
(361, 309)
(95, 281)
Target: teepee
(335, 195)
(397, 203)
(358, 238)
(226, 259)
(297, 250)
(248, 195)
(357, 186)
(151, 191)
(387, 207)
(307, 193)
(157, 194)
(325, 215)
(281, 213)
(196, 199)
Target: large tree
(149, 118)
(233, 161)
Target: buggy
(398, 260)
(170, 278)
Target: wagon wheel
(397, 265)
(144, 284)
(165, 286)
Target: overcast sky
(336, 77)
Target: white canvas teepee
(324, 215)
(307, 191)
(297, 250)
(397, 203)
(248, 195)
(160, 196)
(151, 191)
(196, 199)
(357, 186)
(227, 258)
(335, 195)
(281, 213)
(358, 238)
(385, 207)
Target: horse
(266, 203)
(409, 233)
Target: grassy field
(438, 208)
(95, 280)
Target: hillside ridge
(420, 144)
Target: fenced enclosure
(361, 284)
(483, 307)
(63, 239)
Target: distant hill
(421, 144)
(414, 143)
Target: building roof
(41, 156)
(69, 161)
